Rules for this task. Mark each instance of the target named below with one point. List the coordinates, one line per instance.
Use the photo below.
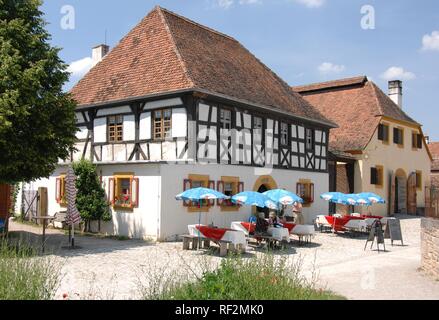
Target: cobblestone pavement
(112, 269)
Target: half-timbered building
(177, 105)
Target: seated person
(261, 224)
(274, 221)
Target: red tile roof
(434, 150)
(166, 52)
(356, 106)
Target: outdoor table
(304, 231)
(246, 227)
(338, 224)
(45, 219)
(279, 233)
(217, 234)
(356, 225)
(290, 226)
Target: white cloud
(431, 42)
(328, 67)
(226, 4)
(397, 73)
(80, 67)
(250, 2)
(312, 3)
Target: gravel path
(111, 269)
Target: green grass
(24, 276)
(262, 278)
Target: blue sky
(303, 41)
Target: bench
(60, 219)
(195, 241)
(271, 242)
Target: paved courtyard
(112, 269)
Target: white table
(279, 233)
(234, 236)
(356, 225)
(239, 227)
(304, 231)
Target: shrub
(24, 276)
(260, 278)
(90, 199)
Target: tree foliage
(37, 119)
(90, 199)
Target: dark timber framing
(227, 147)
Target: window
(283, 134)
(398, 136)
(225, 119)
(115, 128)
(305, 190)
(61, 190)
(198, 181)
(309, 139)
(124, 191)
(230, 186)
(377, 176)
(383, 132)
(257, 123)
(416, 140)
(419, 180)
(162, 124)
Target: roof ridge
(174, 45)
(375, 95)
(195, 23)
(344, 82)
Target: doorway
(263, 184)
(263, 188)
(400, 198)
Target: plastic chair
(252, 219)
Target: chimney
(427, 139)
(395, 92)
(99, 52)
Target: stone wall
(430, 247)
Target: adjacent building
(177, 105)
(377, 147)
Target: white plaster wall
(392, 158)
(175, 217)
(141, 222)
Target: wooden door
(411, 194)
(392, 190)
(5, 201)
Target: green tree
(37, 119)
(90, 199)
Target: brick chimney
(99, 52)
(395, 92)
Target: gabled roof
(356, 105)
(166, 52)
(434, 150)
